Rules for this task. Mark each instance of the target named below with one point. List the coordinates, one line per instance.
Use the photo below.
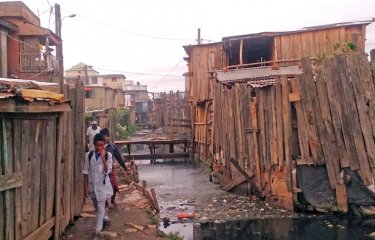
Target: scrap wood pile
(29, 90)
(128, 176)
(310, 134)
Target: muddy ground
(131, 219)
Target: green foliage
(349, 46)
(343, 47)
(124, 127)
(320, 56)
(336, 46)
(174, 236)
(153, 218)
(89, 117)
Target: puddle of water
(182, 188)
(185, 229)
(286, 229)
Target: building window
(94, 80)
(89, 94)
(114, 79)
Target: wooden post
(59, 47)
(58, 177)
(372, 55)
(144, 184)
(156, 204)
(287, 130)
(199, 41)
(241, 52)
(7, 210)
(128, 146)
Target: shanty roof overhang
(259, 76)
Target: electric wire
(157, 83)
(132, 33)
(137, 73)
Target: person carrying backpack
(111, 148)
(96, 170)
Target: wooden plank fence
(323, 117)
(173, 113)
(41, 155)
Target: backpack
(91, 153)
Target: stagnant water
(182, 188)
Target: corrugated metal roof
(29, 90)
(259, 76)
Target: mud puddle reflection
(181, 188)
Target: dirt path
(132, 219)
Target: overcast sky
(146, 36)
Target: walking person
(90, 133)
(97, 167)
(111, 148)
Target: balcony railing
(36, 62)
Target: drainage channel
(184, 190)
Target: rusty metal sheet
(257, 75)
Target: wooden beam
(57, 203)
(286, 115)
(42, 230)
(176, 141)
(17, 106)
(241, 179)
(181, 120)
(294, 96)
(157, 156)
(241, 51)
(10, 181)
(243, 172)
(342, 199)
(6, 169)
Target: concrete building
(26, 48)
(138, 97)
(103, 97)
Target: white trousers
(101, 214)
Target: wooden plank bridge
(152, 145)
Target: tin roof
(29, 90)
(257, 76)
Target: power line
(130, 32)
(105, 69)
(138, 73)
(166, 74)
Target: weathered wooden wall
(318, 42)
(71, 168)
(41, 161)
(173, 113)
(323, 117)
(202, 60)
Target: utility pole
(86, 76)
(59, 47)
(199, 36)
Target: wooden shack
(268, 124)
(286, 135)
(41, 139)
(264, 49)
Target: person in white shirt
(90, 133)
(97, 183)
